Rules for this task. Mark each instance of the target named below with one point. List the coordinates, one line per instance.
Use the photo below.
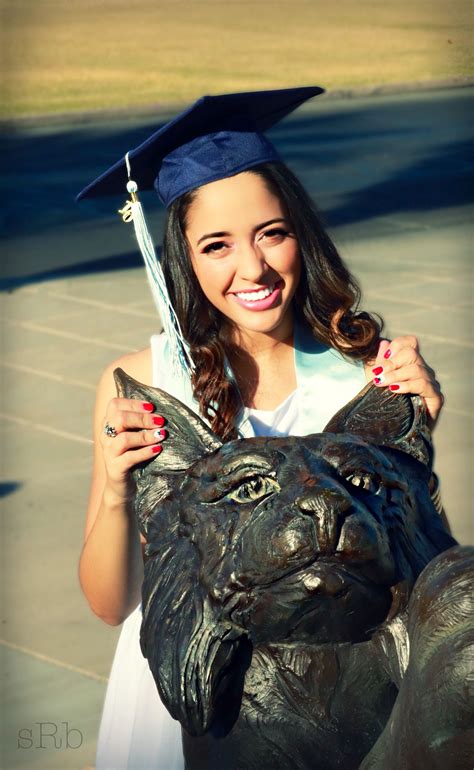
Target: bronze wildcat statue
(277, 618)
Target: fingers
(397, 356)
(398, 344)
(119, 464)
(130, 447)
(132, 405)
(385, 375)
(139, 434)
(418, 375)
(126, 421)
(128, 440)
(400, 367)
(410, 379)
(397, 350)
(131, 414)
(384, 345)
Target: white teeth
(252, 296)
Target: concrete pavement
(415, 266)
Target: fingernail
(378, 370)
(156, 449)
(387, 353)
(160, 434)
(379, 380)
(158, 420)
(147, 406)
(394, 387)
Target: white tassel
(180, 356)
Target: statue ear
(189, 437)
(393, 420)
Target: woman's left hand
(400, 367)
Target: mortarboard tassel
(133, 211)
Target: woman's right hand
(139, 436)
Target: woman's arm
(111, 562)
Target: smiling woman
(244, 282)
(256, 266)
(255, 297)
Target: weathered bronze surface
(277, 618)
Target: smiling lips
(261, 299)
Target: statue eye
(255, 488)
(367, 481)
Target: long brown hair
(327, 298)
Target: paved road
(391, 176)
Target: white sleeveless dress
(136, 731)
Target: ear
(189, 437)
(396, 421)
(198, 658)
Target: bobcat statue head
(301, 539)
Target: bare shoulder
(137, 364)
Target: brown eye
(214, 247)
(275, 232)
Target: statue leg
(432, 722)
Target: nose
(251, 265)
(329, 506)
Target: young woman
(269, 312)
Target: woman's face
(244, 252)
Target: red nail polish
(394, 387)
(158, 420)
(147, 406)
(387, 353)
(377, 380)
(163, 434)
(156, 449)
(378, 370)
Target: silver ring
(109, 430)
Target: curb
(152, 110)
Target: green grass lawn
(62, 55)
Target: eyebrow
(245, 464)
(222, 233)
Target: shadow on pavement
(439, 181)
(384, 156)
(9, 487)
(109, 264)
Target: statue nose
(329, 507)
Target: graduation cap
(217, 137)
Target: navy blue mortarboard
(217, 137)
